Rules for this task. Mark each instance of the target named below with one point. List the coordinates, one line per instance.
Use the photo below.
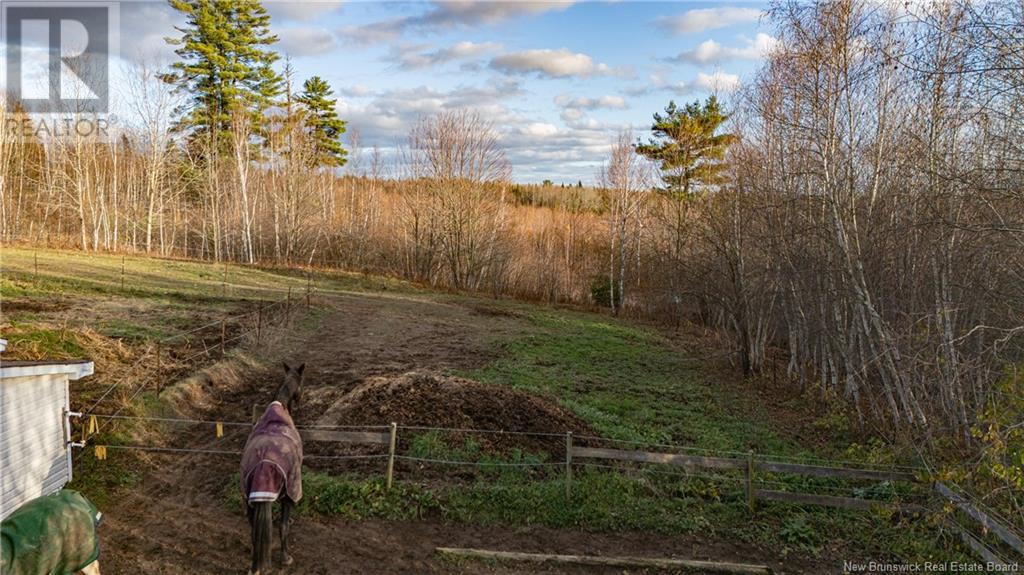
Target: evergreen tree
(225, 66)
(686, 146)
(323, 123)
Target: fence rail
(981, 517)
(666, 458)
(824, 500)
(368, 437)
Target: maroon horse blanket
(272, 458)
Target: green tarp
(50, 535)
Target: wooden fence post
(259, 323)
(122, 272)
(223, 336)
(224, 281)
(568, 465)
(392, 441)
(750, 480)
(288, 305)
(159, 378)
(309, 286)
(35, 255)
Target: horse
(51, 534)
(272, 470)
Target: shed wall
(36, 458)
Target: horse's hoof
(254, 573)
(288, 559)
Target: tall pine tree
(686, 146)
(225, 67)
(323, 123)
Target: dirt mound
(421, 398)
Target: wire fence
(829, 486)
(545, 458)
(162, 358)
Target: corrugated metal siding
(34, 454)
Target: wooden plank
(826, 500)
(344, 436)
(987, 522)
(627, 562)
(980, 548)
(819, 471)
(666, 458)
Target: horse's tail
(262, 527)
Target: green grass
(628, 383)
(45, 342)
(80, 273)
(134, 331)
(606, 501)
(438, 445)
(158, 298)
(103, 481)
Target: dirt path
(176, 521)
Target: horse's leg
(250, 513)
(92, 568)
(286, 511)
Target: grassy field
(138, 299)
(629, 382)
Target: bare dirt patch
(29, 306)
(421, 398)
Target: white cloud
(536, 148)
(473, 12)
(375, 33)
(552, 63)
(711, 52)
(718, 82)
(658, 83)
(356, 91)
(389, 113)
(585, 103)
(305, 41)
(572, 115)
(573, 109)
(411, 57)
(539, 129)
(302, 11)
(451, 14)
(704, 19)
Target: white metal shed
(35, 458)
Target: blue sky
(559, 79)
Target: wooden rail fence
(748, 466)
(987, 522)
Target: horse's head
(291, 389)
